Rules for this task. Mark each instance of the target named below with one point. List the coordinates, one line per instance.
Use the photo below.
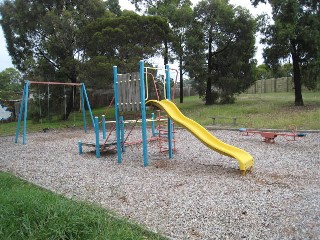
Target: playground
(198, 194)
(191, 190)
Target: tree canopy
(48, 32)
(10, 84)
(220, 45)
(294, 36)
(80, 41)
(123, 41)
(179, 15)
(77, 41)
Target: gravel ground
(199, 194)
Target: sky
(5, 59)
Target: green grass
(271, 110)
(268, 110)
(30, 212)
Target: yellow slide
(245, 160)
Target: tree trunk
(181, 80)
(296, 77)
(209, 97)
(166, 52)
(70, 103)
(72, 95)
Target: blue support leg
(104, 132)
(80, 147)
(88, 104)
(153, 128)
(116, 107)
(123, 147)
(96, 128)
(20, 114)
(83, 108)
(143, 115)
(168, 91)
(24, 140)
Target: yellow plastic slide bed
(245, 160)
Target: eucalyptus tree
(178, 13)
(46, 36)
(220, 45)
(114, 7)
(294, 36)
(123, 41)
(10, 84)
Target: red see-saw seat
(269, 137)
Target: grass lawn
(30, 212)
(268, 110)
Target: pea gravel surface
(199, 194)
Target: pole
(104, 132)
(168, 90)
(80, 147)
(26, 96)
(121, 119)
(88, 104)
(20, 113)
(83, 110)
(96, 129)
(143, 115)
(153, 128)
(116, 108)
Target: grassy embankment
(269, 110)
(30, 212)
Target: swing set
(23, 112)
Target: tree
(114, 7)
(220, 46)
(295, 35)
(123, 41)
(178, 13)
(180, 19)
(10, 84)
(263, 71)
(46, 36)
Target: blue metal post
(83, 109)
(80, 147)
(153, 129)
(20, 113)
(104, 135)
(88, 104)
(143, 115)
(121, 119)
(25, 113)
(168, 93)
(96, 129)
(116, 109)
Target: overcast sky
(5, 59)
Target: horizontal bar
(154, 68)
(55, 83)
(139, 121)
